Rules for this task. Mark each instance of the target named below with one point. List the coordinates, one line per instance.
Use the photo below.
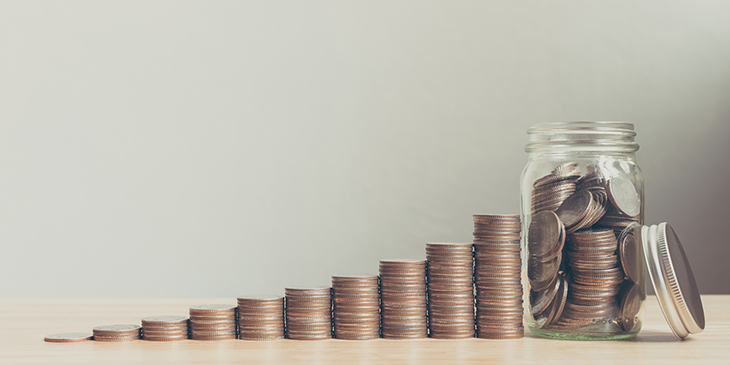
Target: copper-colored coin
(166, 338)
(631, 297)
(68, 337)
(539, 301)
(575, 208)
(542, 273)
(544, 233)
(206, 309)
(164, 320)
(631, 253)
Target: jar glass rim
(602, 136)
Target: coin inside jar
(631, 297)
(630, 253)
(575, 208)
(544, 233)
(622, 193)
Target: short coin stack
(211, 322)
(450, 290)
(68, 337)
(596, 277)
(403, 299)
(497, 275)
(165, 328)
(356, 307)
(308, 313)
(261, 318)
(117, 333)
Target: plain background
(155, 149)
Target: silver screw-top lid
(672, 278)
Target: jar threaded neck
(615, 137)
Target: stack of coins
(497, 276)
(596, 277)
(403, 299)
(356, 307)
(212, 322)
(261, 318)
(308, 313)
(450, 290)
(549, 191)
(165, 328)
(117, 333)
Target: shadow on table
(656, 336)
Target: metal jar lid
(672, 278)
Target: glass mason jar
(582, 201)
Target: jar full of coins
(582, 203)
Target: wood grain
(24, 323)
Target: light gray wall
(216, 149)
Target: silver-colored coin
(622, 193)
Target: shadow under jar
(582, 199)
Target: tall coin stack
(596, 277)
(403, 299)
(450, 290)
(356, 307)
(308, 313)
(165, 328)
(211, 322)
(260, 318)
(117, 333)
(497, 275)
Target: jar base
(574, 336)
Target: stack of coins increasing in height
(308, 313)
(261, 318)
(165, 328)
(497, 275)
(117, 333)
(450, 290)
(356, 307)
(211, 322)
(403, 299)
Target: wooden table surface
(24, 323)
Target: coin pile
(450, 290)
(117, 333)
(549, 191)
(356, 307)
(578, 271)
(497, 276)
(165, 328)
(261, 318)
(403, 299)
(211, 322)
(308, 313)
